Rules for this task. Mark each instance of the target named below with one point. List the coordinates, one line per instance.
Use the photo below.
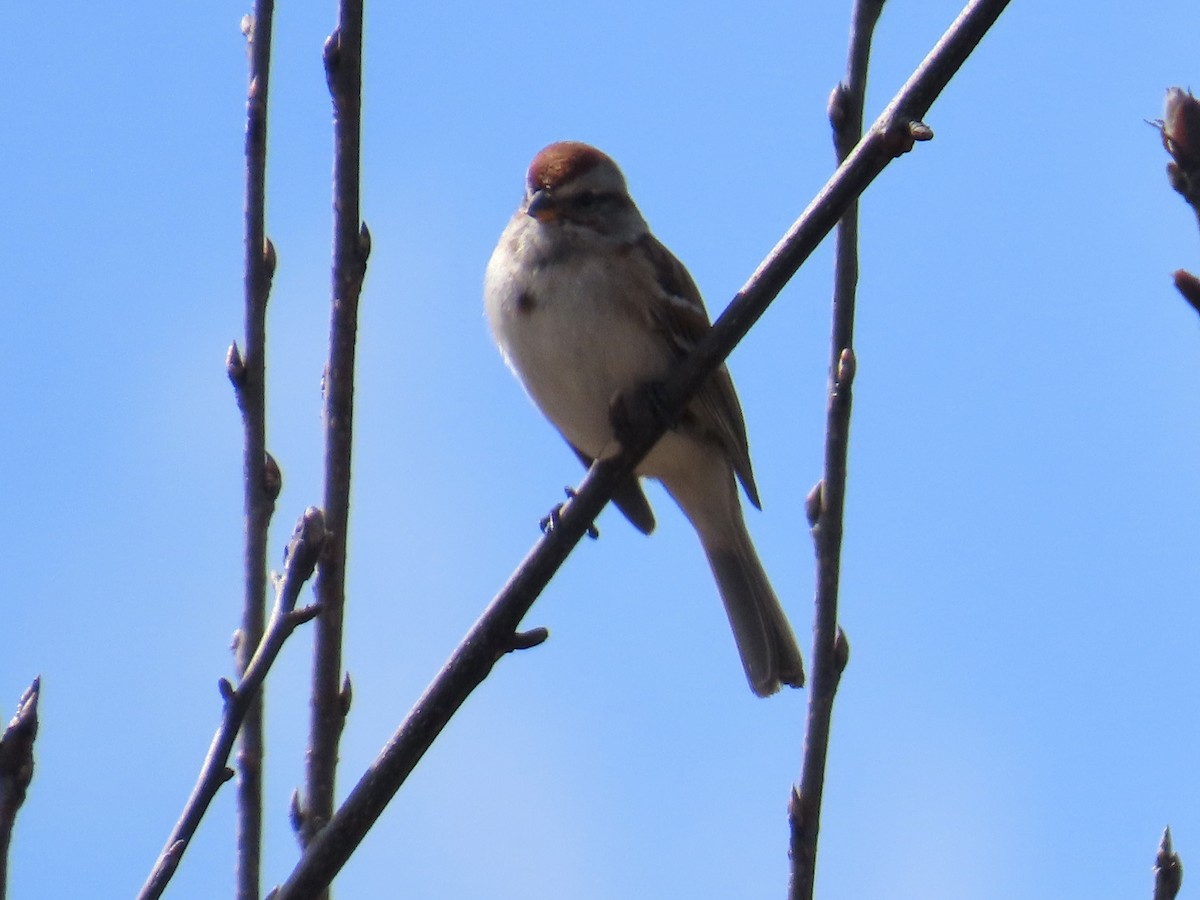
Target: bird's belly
(575, 359)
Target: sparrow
(588, 307)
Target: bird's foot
(550, 521)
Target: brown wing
(681, 318)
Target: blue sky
(1019, 715)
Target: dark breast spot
(525, 302)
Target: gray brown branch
(351, 247)
(830, 647)
(16, 769)
(301, 557)
(893, 134)
(261, 478)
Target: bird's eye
(587, 200)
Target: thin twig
(1168, 869)
(351, 246)
(16, 769)
(260, 473)
(825, 510)
(893, 134)
(300, 559)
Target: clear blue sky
(1019, 715)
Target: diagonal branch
(300, 559)
(16, 769)
(260, 473)
(351, 246)
(893, 134)
(827, 499)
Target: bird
(588, 308)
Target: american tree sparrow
(588, 307)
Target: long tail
(764, 637)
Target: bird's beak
(542, 206)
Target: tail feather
(764, 637)
(700, 477)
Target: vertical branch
(261, 474)
(826, 502)
(16, 770)
(351, 246)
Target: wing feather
(714, 413)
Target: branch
(893, 134)
(300, 559)
(261, 476)
(827, 500)
(16, 769)
(351, 246)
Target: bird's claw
(550, 521)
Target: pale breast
(567, 332)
